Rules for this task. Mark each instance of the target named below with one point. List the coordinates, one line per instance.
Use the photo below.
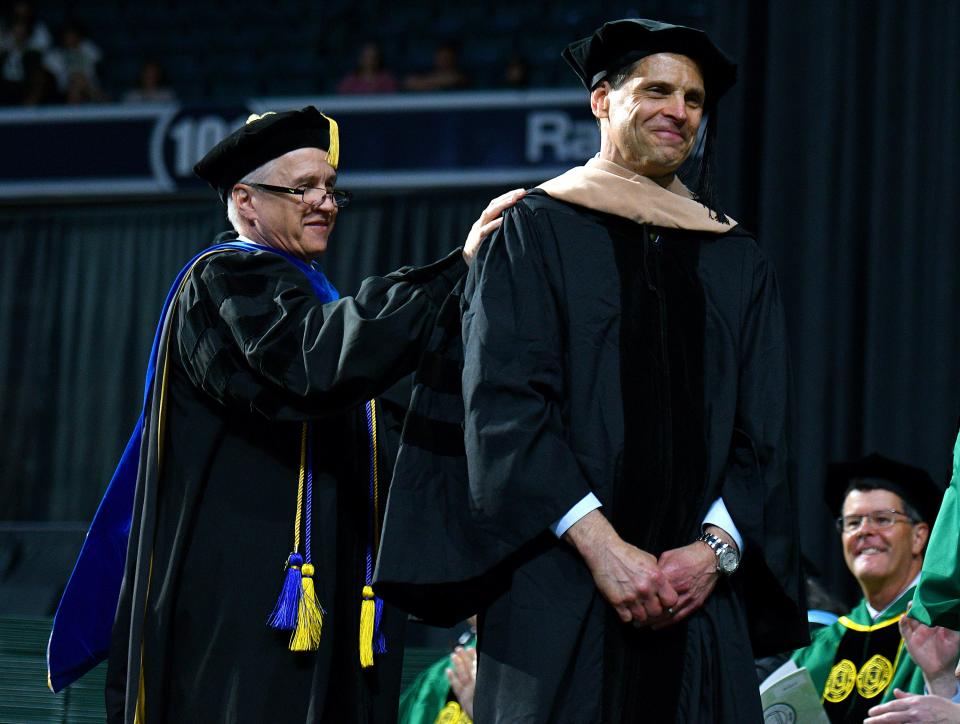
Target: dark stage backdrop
(80, 294)
(846, 158)
(840, 146)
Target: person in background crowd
(15, 46)
(36, 35)
(152, 85)
(80, 90)
(446, 73)
(516, 74)
(370, 76)
(39, 84)
(74, 62)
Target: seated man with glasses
(886, 509)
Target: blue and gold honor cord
(371, 609)
(297, 609)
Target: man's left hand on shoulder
(692, 570)
(489, 221)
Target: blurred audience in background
(446, 73)
(12, 74)
(39, 84)
(35, 34)
(20, 36)
(74, 62)
(152, 85)
(81, 90)
(191, 44)
(370, 75)
(516, 74)
(34, 71)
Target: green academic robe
(936, 601)
(857, 662)
(425, 698)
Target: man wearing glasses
(885, 511)
(263, 461)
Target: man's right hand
(626, 576)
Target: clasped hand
(634, 584)
(692, 571)
(641, 589)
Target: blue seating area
(214, 50)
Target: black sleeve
(523, 474)
(253, 335)
(759, 486)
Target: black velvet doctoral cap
(618, 43)
(913, 485)
(266, 137)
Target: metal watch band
(727, 558)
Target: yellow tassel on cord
(368, 613)
(306, 636)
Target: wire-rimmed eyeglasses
(878, 519)
(311, 196)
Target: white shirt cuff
(956, 695)
(719, 516)
(587, 503)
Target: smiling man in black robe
(262, 440)
(627, 526)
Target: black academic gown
(648, 366)
(253, 354)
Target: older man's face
(653, 117)
(875, 555)
(285, 221)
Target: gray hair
(257, 176)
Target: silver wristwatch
(728, 560)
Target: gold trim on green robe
(819, 657)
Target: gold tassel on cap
(333, 152)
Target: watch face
(728, 561)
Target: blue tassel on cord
(284, 615)
(379, 640)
